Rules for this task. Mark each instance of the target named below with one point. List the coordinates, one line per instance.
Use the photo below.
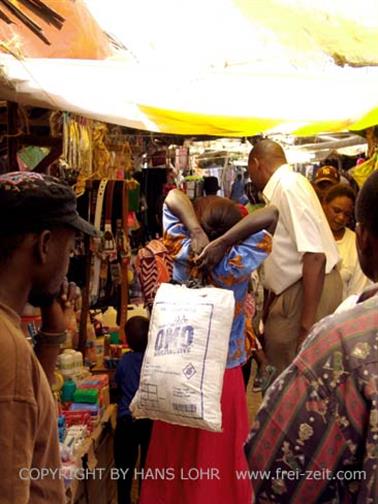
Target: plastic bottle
(90, 350)
(72, 327)
(66, 360)
(99, 351)
(107, 345)
(68, 390)
(78, 361)
(109, 318)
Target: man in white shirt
(300, 273)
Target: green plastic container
(86, 396)
(68, 391)
(114, 338)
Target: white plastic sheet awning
(217, 68)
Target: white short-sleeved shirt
(354, 281)
(302, 227)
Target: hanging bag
(154, 266)
(184, 363)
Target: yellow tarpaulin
(195, 124)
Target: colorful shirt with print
(315, 438)
(232, 272)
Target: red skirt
(192, 466)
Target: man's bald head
(265, 157)
(270, 151)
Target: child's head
(210, 185)
(216, 215)
(136, 329)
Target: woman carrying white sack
(211, 239)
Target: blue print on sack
(174, 339)
(189, 371)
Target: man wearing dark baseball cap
(30, 201)
(38, 224)
(326, 176)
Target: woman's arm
(265, 218)
(181, 206)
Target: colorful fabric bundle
(154, 266)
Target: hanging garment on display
(111, 257)
(181, 158)
(154, 266)
(96, 265)
(124, 257)
(110, 250)
(78, 148)
(133, 187)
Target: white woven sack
(183, 367)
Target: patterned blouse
(315, 438)
(233, 272)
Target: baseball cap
(327, 173)
(32, 201)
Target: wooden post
(85, 299)
(56, 144)
(51, 157)
(85, 290)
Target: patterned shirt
(232, 272)
(316, 434)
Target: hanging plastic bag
(183, 367)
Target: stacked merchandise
(109, 347)
(83, 403)
(193, 186)
(81, 398)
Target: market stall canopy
(51, 29)
(230, 68)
